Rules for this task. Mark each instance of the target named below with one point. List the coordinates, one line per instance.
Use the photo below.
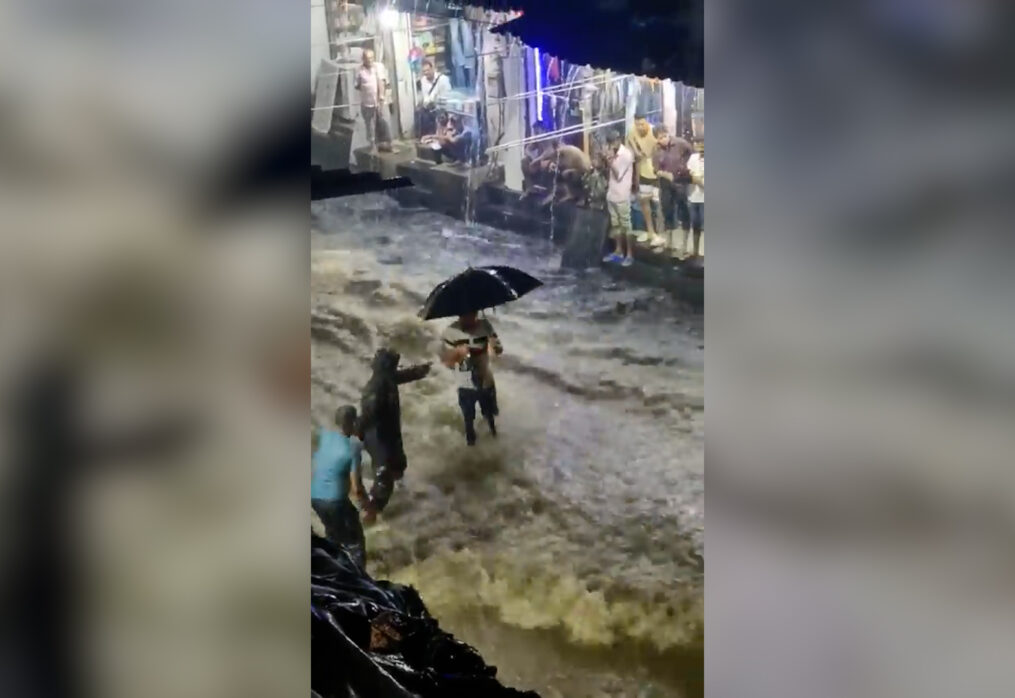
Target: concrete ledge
(384, 163)
(676, 279)
(446, 186)
(331, 151)
(582, 231)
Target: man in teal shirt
(336, 465)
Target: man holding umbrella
(469, 342)
(467, 345)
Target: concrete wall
(670, 106)
(514, 115)
(319, 48)
(402, 79)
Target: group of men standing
(467, 346)
(661, 174)
(665, 175)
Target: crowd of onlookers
(668, 186)
(652, 184)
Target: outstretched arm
(413, 373)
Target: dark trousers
(389, 465)
(698, 217)
(426, 122)
(487, 399)
(676, 212)
(342, 527)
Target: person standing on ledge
(433, 87)
(643, 144)
(372, 83)
(620, 181)
(696, 199)
(671, 167)
(336, 467)
(467, 345)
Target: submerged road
(569, 550)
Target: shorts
(648, 189)
(620, 218)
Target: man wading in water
(467, 345)
(336, 466)
(380, 426)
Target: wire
(568, 131)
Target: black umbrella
(475, 289)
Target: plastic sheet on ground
(376, 638)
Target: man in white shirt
(433, 87)
(620, 180)
(696, 197)
(467, 345)
(372, 83)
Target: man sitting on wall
(569, 164)
(454, 141)
(536, 163)
(433, 87)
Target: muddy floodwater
(568, 550)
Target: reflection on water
(569, 550)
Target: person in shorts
(642, 143)
(620, 173)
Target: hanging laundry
(553, 71)
(416, 59)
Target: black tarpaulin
(378, 639)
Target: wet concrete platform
(385, 163)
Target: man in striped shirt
(467, 345)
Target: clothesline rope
(567, 131)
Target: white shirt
(474, 371)
(696, 165)
(618, 190)
(434, 90)
(371, 83)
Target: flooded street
(568, 550)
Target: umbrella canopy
(475, 289)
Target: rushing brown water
(569, 550)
